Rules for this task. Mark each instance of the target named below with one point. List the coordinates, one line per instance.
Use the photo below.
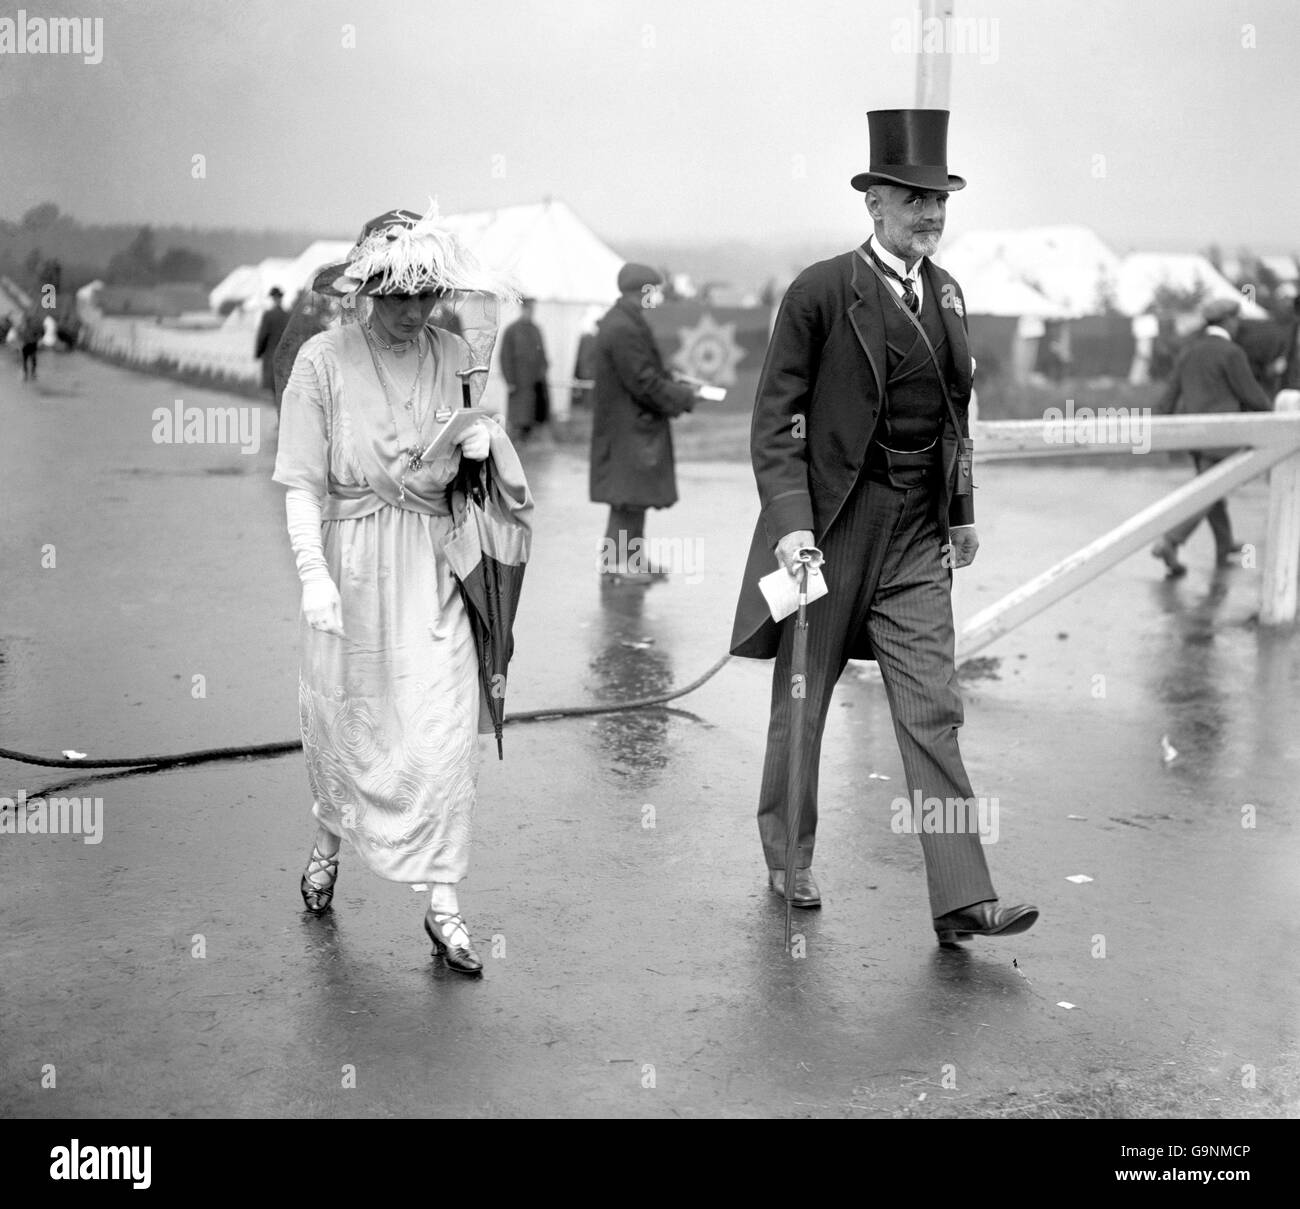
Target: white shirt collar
(1214, 329)
(899, 266)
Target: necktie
(910, 300)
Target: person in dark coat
(524, 364)
(584, 364)
(860, 445)
(632, 465)
(1212, 375)
(29, 337)
(269, 331)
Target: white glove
(321, 604)
(323, 607)
(476, 442)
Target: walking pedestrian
(29, 337)
(632, 466)
(861, 450)
(1212, 376)
(269, 330)
(389, 694)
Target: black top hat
(908, 147)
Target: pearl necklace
(398, 346)
(413, 451)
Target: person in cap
(389, 692)
(524, 366)
(635, 400)
(860, 446)
(274, 320)
(1211, 376)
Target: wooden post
(1282, 543)
(934, 70)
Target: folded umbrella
(487, 552)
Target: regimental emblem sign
(709, 351)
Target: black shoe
(984, 919)
(442, 929)
(806, 893)
(1167, 552)
(317, 896)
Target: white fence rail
(223, 353)
(1268, 444)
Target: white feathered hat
(402, 252)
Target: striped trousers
(885, 572)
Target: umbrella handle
(465, 375)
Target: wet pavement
(617, 894)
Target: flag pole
(934, 69)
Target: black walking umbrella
(795, 778)
(487, 552)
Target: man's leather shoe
(984, 919)
(806, 893)
(1167, 552)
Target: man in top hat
(636, 399)
(269, 331)
(860, 447)
(1212, 375)
(524, 364)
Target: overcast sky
(660, 119)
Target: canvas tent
(302, 270)
(237, 286)
(1069, 266)
(552, 254)
(556, 259)
(1284, 268)
(1143, 273)
(249, 285)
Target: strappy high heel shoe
(451, 938)
(316, 896)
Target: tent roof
(235, 286)
(553, 254)
(1069, 266)
(994, 289)
(304, 267)
(1284, 268)
(1142, 273)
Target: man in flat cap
(860, 448)
(1212, 375)
(632, 466)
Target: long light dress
(390, 714)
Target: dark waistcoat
(914, 407)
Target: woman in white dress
(389, 689)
